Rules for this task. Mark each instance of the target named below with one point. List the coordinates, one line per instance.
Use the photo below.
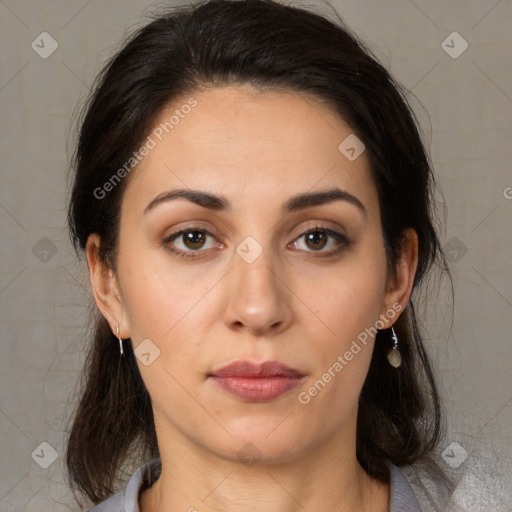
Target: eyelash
(341, 239)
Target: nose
(258, 298)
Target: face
(246, 235)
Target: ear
(399, 287)
(105, 288)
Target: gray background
(465, 107)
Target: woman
(254, 202)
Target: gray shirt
(402, 495)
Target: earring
(120, 341)
(394, 357)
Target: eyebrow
(204, 199)
(294, 203)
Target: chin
(261, 441)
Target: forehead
(251, 145)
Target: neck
(194, 479)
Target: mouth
(256, 382)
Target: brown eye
(322, 240)
(194, 239)
(191, 242)
(316, 240)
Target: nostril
(276, 325)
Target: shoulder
(402, 496)
(423, 485)
(128, 499)
(113, 504)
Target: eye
(322, 240)
(191, 240)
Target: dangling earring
(120, 341)
(394, 357)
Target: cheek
(160, 297)
(349, 314)
(341, 358)
(345, 306)
(174, 310)
(345, 299)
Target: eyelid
(320, 225)
(176, 234)
(342, 240)
(191, 227)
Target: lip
(256, 382)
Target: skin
(294, 303)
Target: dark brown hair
(270, 46)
